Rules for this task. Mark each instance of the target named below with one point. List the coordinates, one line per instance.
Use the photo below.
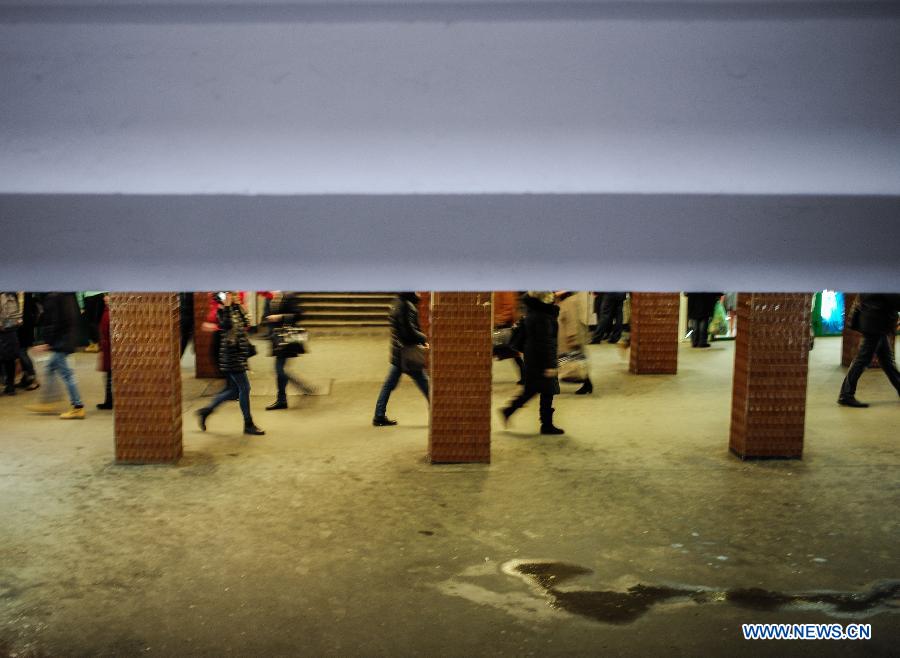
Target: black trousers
(872, 344)
(609, 318)
(546, 410)
(700, 335)
(9, 370)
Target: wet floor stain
(427, 533)
(624, 607)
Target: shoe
(92, 347)
(33, 386)
(383, 421)
(551, 429)
(613, 341)
(75, 413)
(851, 401)
(43, 408)
(704, 345)
(105, 405)
(253, 430)
(25, 382)
(202, 415)
(278, 404)
(505, 413)
(9, 390)
(586, 389)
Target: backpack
(10, 315)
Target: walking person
(875, 317)
(700, 307)
(234, 350)
(407, 354)
(30, 314)
(540, 352)
(105, 357)
(573, 332)
(285, 313)
(59, 323)
(10, 320)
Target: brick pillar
(460, 429)
(654, 333)
(768, 408)
(145, 335)
(205, 365)
(850, 340)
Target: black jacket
(541, 327)
(700, 305)
(878, 313)
(290, 309)
(60, 321)
(234, 348)
(405, 329)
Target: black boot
(251, 428)
(586, 389)
(383, 421)
(505, 413)
(278, 404)
(202, 415)
(9, 390)
(851, 401)
(547, 426)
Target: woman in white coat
(573, 330)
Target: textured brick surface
(205, 364)
(768, 411)
(145, 336)
(460, 337)
(654, 333)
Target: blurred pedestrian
(540, 352)
(875, 317)
(285, 314)
(700, 307)
(10, 320)
(186, 318)
(59, 324)
(573, 334)
(408, 345)
(234, 350)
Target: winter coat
(405, 329)
(60, 321)
(878, 313)
(10, 320)
(573, 330)
(234, 347)
(700, 305)
(105, 356)
(289, 307)
(540, 350)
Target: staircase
(350, 312)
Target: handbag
(573, 366)
(412, 358)
(290, 341)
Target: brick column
(205, 366)
(654, 333)
(768, 408)
(145, 336)
(460, 429)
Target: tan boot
(43, 408)
(92, 347)
(75, 413)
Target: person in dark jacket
(540, 352)
(876, 320)
(186, 318)
(60, 321)
(406, 336)
(700, 308)
(30, 314)
(105, 357)
(234, 350)
(10, 320)
(285, 312)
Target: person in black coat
(285, 312)
(407, 340)
(59, 321)
(541, 328)
(875, 318)
(700, 308)
(234, 350)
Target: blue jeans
(237, 387)
(282, 377)
(58, 367)
(390, 383)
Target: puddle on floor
(624, 607)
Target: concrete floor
(331, 537)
